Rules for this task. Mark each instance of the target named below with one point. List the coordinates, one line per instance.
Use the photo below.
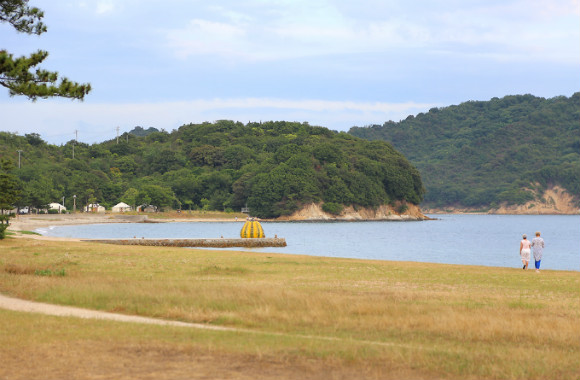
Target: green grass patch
(29, 233)
(50, 272)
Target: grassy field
(301, 317)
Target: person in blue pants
(538, 247)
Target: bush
(402, 208)
(332, 208)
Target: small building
(94, 207)
(121, 207)
(147, 208)
(55, 206)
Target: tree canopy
(274, 168)
(20, 75)
(9, 193)
(482, 153)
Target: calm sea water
(490, 240)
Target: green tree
(39, 193)
(130, 197)
(274, 168)
(481, 153)
(16, 74)
(9, 194)
(156, 195)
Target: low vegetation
(297, 313)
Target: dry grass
(437, 321)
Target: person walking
(538, 247)
(525, 251)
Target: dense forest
(480, 154)
(274, 168)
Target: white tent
(57, 206)
(121, 207)
(94, 208)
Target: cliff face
(554, 200)
(314, 212)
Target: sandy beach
(33, 222)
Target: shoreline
(18, 230)
(33, 222)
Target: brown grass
(336, 316)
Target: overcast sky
(334, 63)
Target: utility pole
(19, 151)
(76, 138)
(117, 135)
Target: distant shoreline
(34, 222)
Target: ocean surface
(489, 240)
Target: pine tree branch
(22, 17)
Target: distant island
(518, 154)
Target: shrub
(332, 208)
(3, 228)
(402, 208)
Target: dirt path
(15, 304)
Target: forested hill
(274, 168)
(483, 153)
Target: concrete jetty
(201, 243)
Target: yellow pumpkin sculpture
(252, 229)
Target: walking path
(15, 304)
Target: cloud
(105, 6)
(206, 37)
(512, 30)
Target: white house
(121, 207)
(57, 206)
(94, 207)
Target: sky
(332, 63)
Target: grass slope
(310, 317)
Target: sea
(466, 239)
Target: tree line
(484, 153)
(274, 168)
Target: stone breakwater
(201, 243)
